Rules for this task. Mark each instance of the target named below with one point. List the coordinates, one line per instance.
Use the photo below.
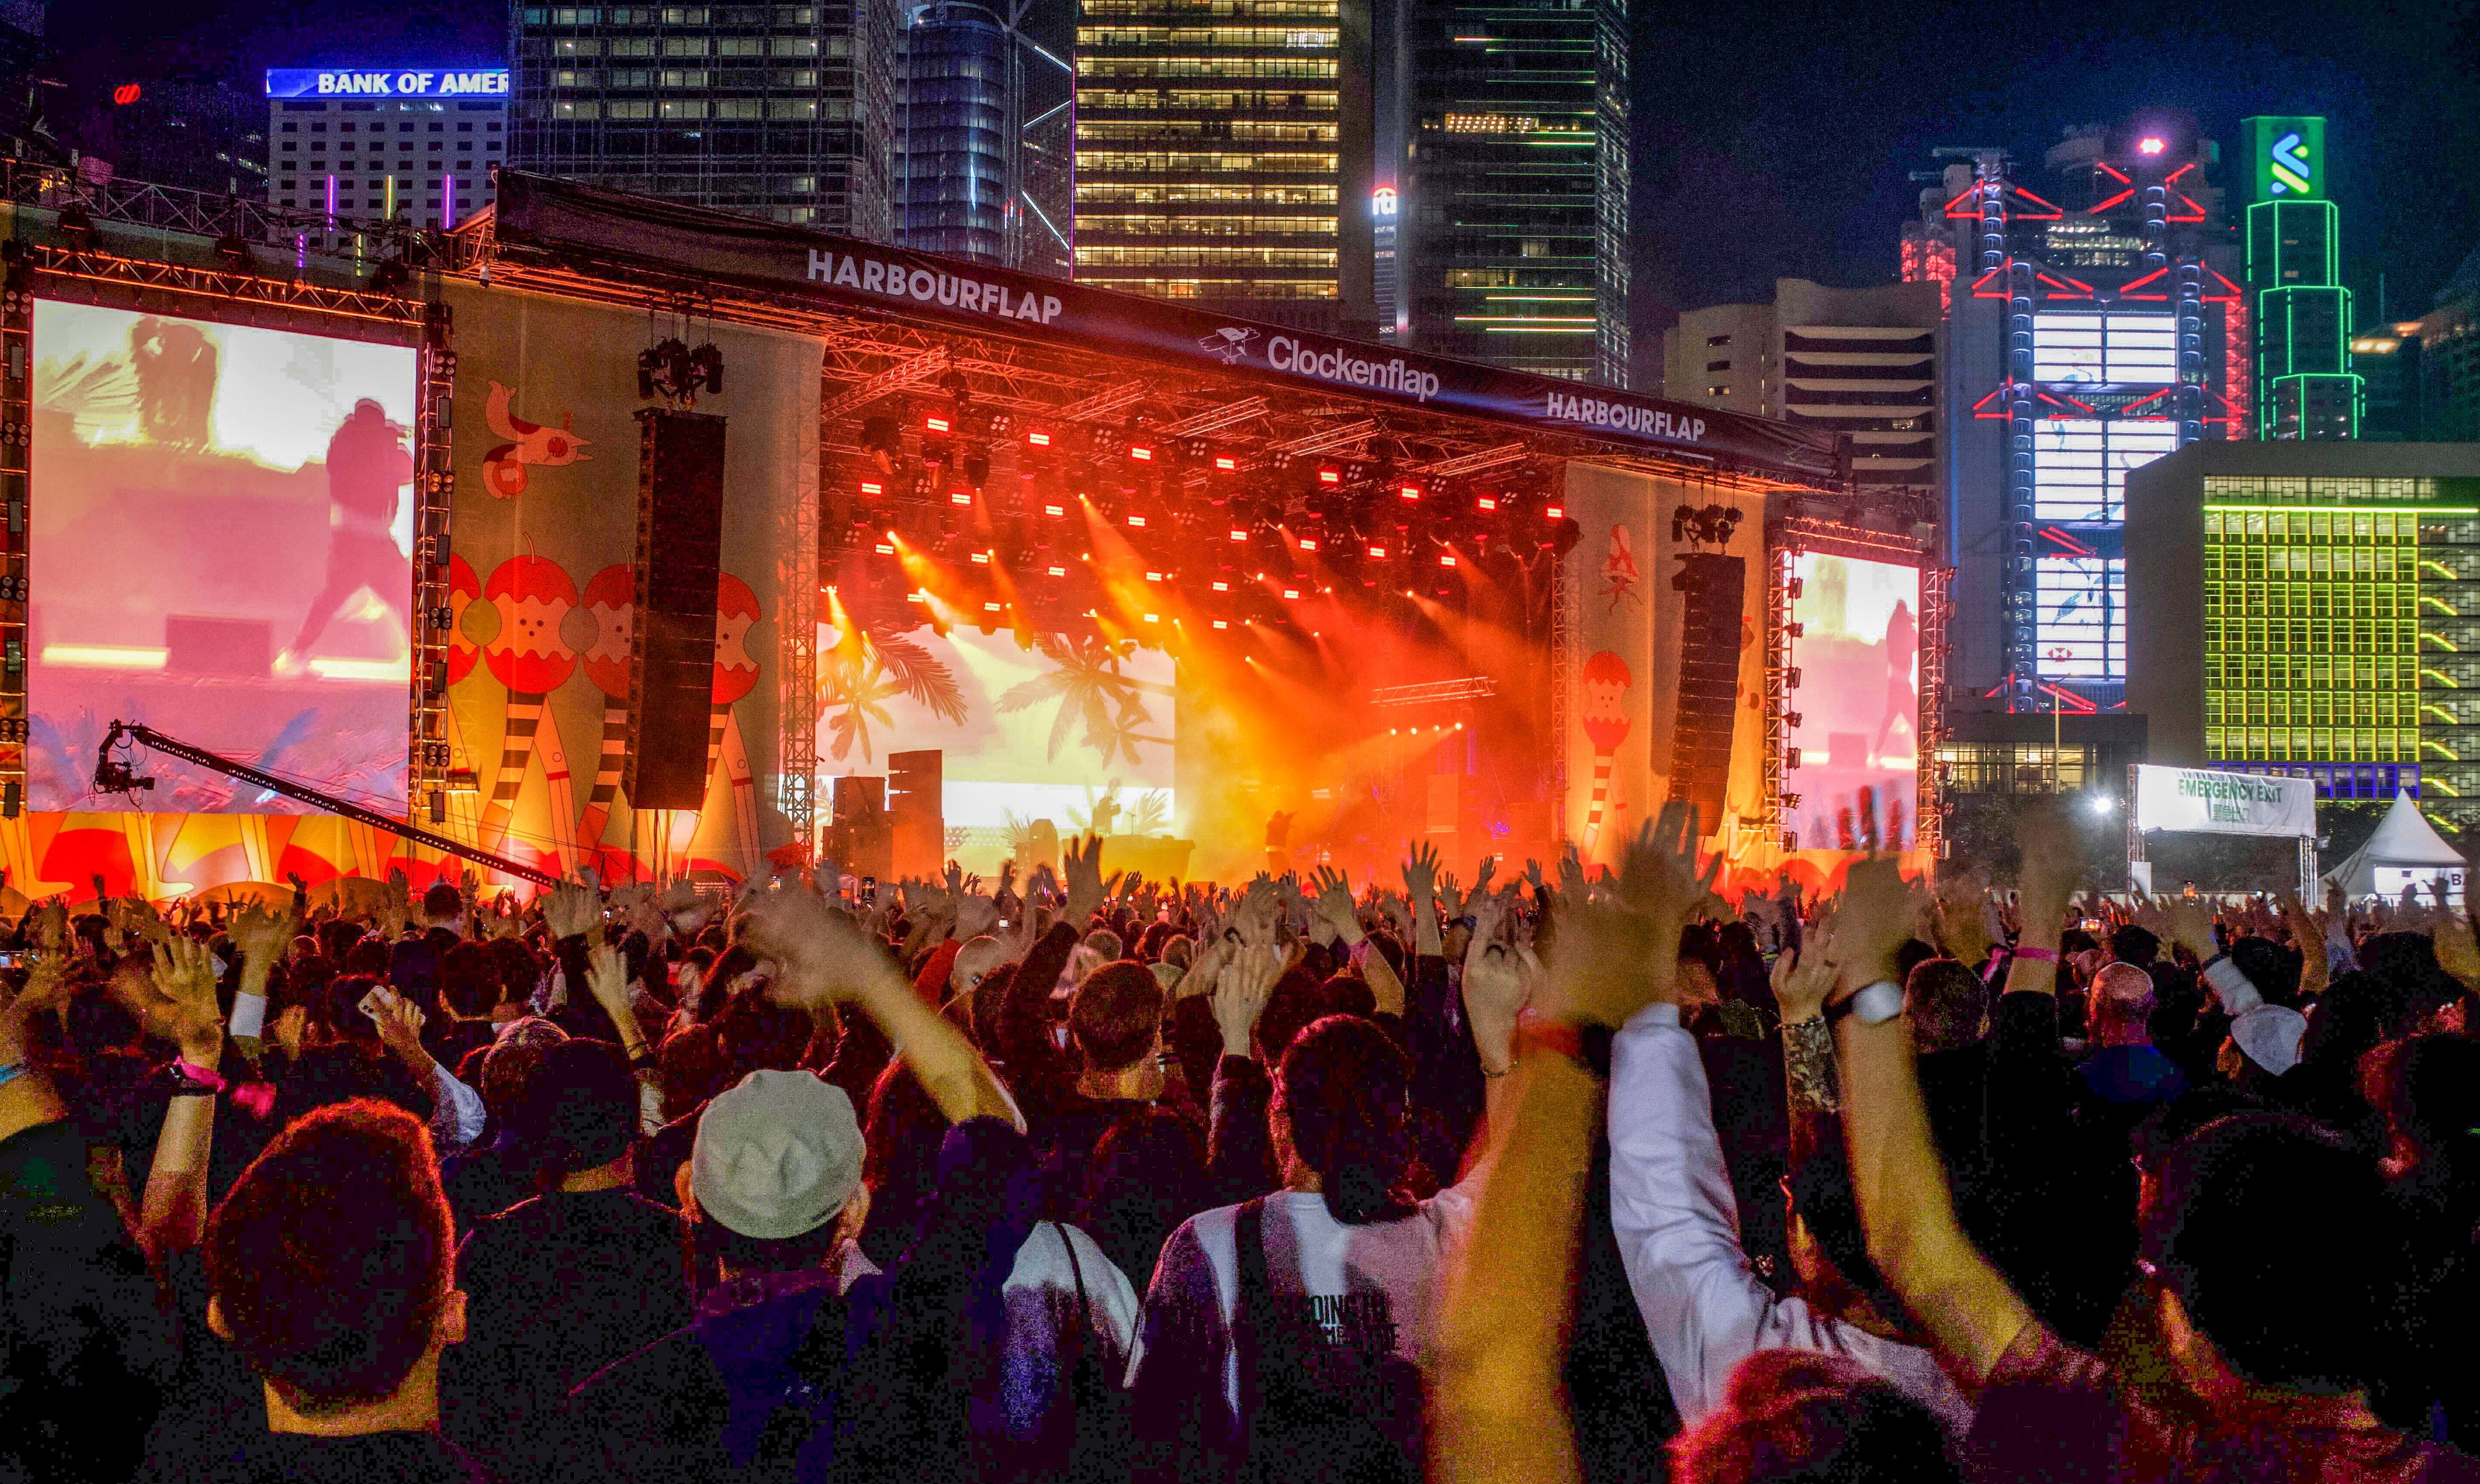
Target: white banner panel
(2392, 881)
(2207, 802)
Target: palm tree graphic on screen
(864, 671)
(1086, 684)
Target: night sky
(1771, 141)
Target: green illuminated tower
(2304, 385)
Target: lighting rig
(1158, 531)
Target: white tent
(2405, 851)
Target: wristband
(2038, 955)
(188, 1075)
(1873, 1006)
(11, 1072)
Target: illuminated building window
(2080, 627)
(2080, 464)
(2105, 348)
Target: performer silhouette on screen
(1903, 696)
(176, 380)
(366, 464)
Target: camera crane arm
(112, 776)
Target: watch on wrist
(1873, 1006)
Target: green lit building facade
(2312, 611)
(2306, 387)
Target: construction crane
(115, 774)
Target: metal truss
(1469, 688)
(796, 641)
(173, 209)
(1473, 463)
(231, 285)
(1215, 419)
(1781, 679)
(920, 368)
(16, 431)
(1328, 439)
(434, 483)
(1937, 614)
(1566, 597)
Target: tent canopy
(2404, 841)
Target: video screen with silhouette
(221, 548)
(1858, 703)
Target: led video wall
(1858, 703)
(1054, 732)
(221, 548)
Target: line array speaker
(671, 652)
(1713, 587)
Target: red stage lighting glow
(1137, 521)
(960, 497)
(1446, 559)
(1225, 462)
(1379, 552)
(1220, 624)
(872, 487)
(1489, 504)
(982, 558)
(1040, 440)
(1141, 454)
(1411, 491)
(1222, 586)
(1238, 535)
(1058, 571)
(935, 424)
(1055, 510)
(1309, 543)
(1554, 512)
(1153, 576)
(1153, 618)
(1291, 592)
(1330, 474)
(886, 550)
(990, 607)
(2151, 145)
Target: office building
(23, 52)
(416, 144)
(956, 179)
(198, 134)
(2096, 320)
(1856, 362)
(2387, 361)
(1224, 156)
(2449, 359)
(2306, 385)
(783, 111)
(1513, 205)
(2312, 609)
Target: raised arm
(1905, 1207)
(177, 1004)
(1501, 1406)
(821, 958)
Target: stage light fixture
(1554, 512)
(1037, 438)
(1377, 551)
(1055, 510)
(1446, 559)
(1222, 586)
(1226, 463)
(1408, 491)
(1058, 571)
(981, 559)
(872, 487)
(885, 550)
(937, 423)
(1486, 504)
(1141, 454)
(1239, 534)
(1328, 474)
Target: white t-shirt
(1384, 1281)
(1041, 1297)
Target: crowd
(1086, 1178)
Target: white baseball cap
(777, 1156)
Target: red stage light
(1055, 510)
(125, 95)
(1330, 474)
(1153, 618)
(990, 607)
(1153, 576)
(1554, 512)
(960, 497)
(1378, 552)
(1040, 440)
(1220, 624)
(1291, 592)
(1309, 543)
(2149, 145)
(982, 557)
(1137, 521)
(1411, 491)
(872, 487)
(1489, 504)
(935, 424)
(886, 550)
(1141, 454)
(1222, 586)
(1225, 462)
(1446, 559)
(1059, 571)
(1239, 535)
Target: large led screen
(1858, 703)
(222, 533)
(1071, 730)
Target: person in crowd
(1797, 1415)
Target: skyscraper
(786, 112)
(1513, 206)
(2094, 324)
(956, 176)
(2304, 385)
(377, 144)
(1224, 156)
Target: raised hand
(1451, 896)
(397, 902)
(1421, 878)
(1333, 906)
(571, 910)
(1804, 977)
(1080, 865)
(1878, 914)
(607, 979)
(1241, 991)
(1622, 955)
(176, 1002)
(1500, 979)
(263, 936)
(819, 956)
(1962, 916)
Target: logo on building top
(2288, 164)
(1228, 345)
